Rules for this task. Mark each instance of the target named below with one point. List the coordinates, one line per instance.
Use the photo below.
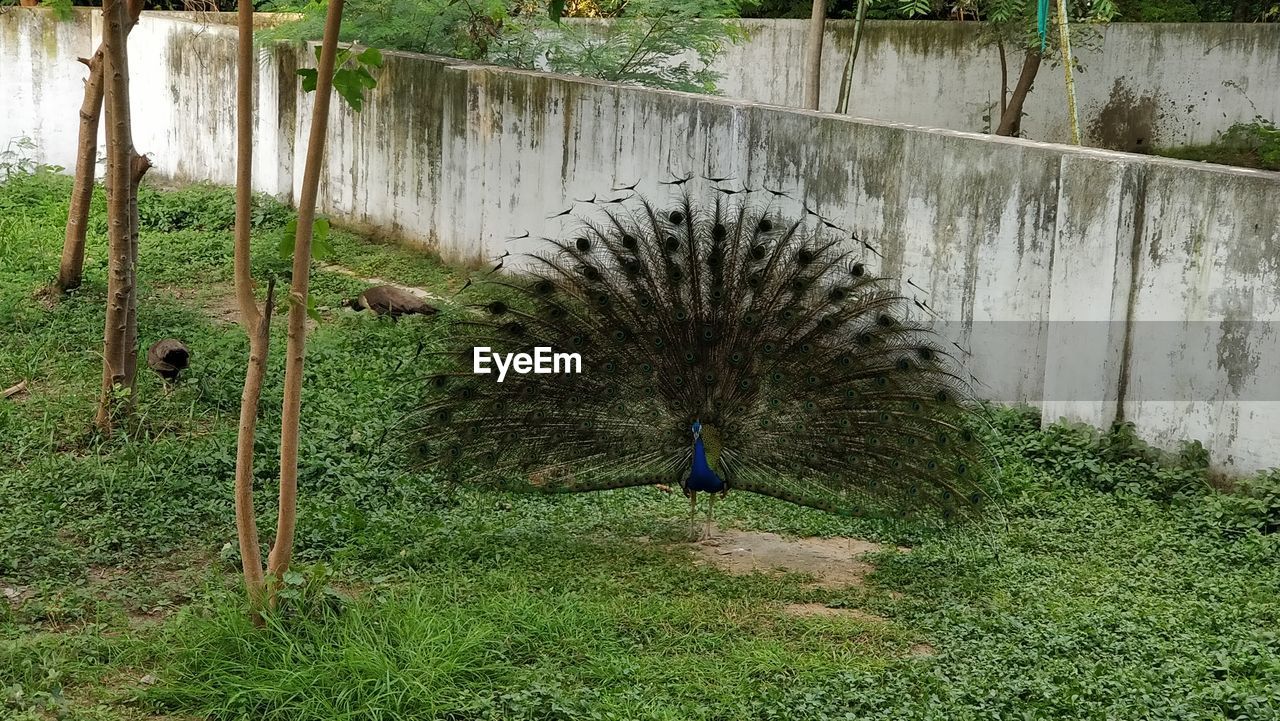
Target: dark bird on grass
(168, 358)
(390, 300)
(722, 347)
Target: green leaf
(312, 311)
(318, 49)
(365, 78)
(288, 236)
(349, 85)
(371, 57)
(320, 247)
(309, 78)
(555, 9)
(294, 578)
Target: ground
(1104, 586)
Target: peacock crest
(711, 334)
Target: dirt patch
(419, 292)
(216, 301)
(832, 562)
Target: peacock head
(697, 429)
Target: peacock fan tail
(799, 371)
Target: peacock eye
(676, 217)
(857, 270)
(497, 307)
(583, 245)
(764, 226)
(719, 232)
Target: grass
(1247, 145)
(1117, 585)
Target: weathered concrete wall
(1091, 282)
(1143, 85)
(182, 77)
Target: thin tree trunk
(71, 269)
(246, 520)
(121, 276)
(257, 326)
(138, 168)
(1011, 119)
(1004, 78)
(813, 59)
(282, 552)
(1064, 36)
(846, 80)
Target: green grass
(1247, 145)
(1117, 584)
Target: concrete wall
(1144, 85)
(1094, 283)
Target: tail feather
(775, 333)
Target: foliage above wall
(1129, 10)
(657, 43)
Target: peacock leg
(711, 510)
(693, 514)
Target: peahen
(168, 358)
(392, 301)
(722, 347)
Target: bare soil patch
(374, 280)
(218, 302)
(832, 562)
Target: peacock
(721, 346)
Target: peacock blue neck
(702, 477)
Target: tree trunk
(1011, 119)
(846, 80)
(71, 269)
(1064, 37)
(1004, 78)
(138, 168)
(813, 59)
(282, 552)
(257, 326)
(120, 171)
